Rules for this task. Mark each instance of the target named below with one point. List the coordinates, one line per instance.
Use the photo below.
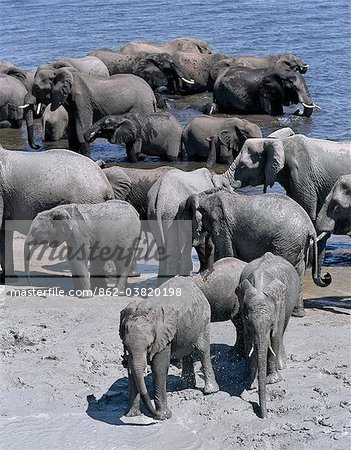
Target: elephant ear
(228, 137)
(244, 289)
(191, 206)
(62, 86)
(275, 160)
(270, 87)
(126, 131)
(165, 329)
(125, 314)
(276, 292)
(17, 73)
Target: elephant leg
(188, 374)
(134, 397)
(97, 275)
(134, 271)
(273, 376)
(281, 361)
(122, 269)
(239, 346)
(203, 346)
(15, 123)
(205, 252)
(6, 255)
(133, 150)
(160, 365)
(299, 310)
(80, 275)
(75, 138)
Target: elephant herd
(253, 249)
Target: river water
(33, 33)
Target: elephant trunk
(318, 252)
(28, 114)
(262, 350)
(307, 103)
(27, 255)
(137, 368)
(92, 132)
(212, 156)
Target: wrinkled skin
(12, 94)
(158, 328)
(179, 44)
(229, 220)
(307, 168)
(268, 293)
(229, 134)
(164, 199)
(281, 62)
(24, 76)
(29, 185)
(156, 134)
(88, 99)
(260, 91)
(54, 123)
(218, 284)
(113, 226)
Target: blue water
(318, 31)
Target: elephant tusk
(188, 81)
(212, 110)
(24, 106)
(251, 351)
(322, 235)
(270, 348)
(38, 108)
(306, 66)
(317, 107)
(311, 106)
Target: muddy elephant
(54, 123)
(268, 293)
(230, 220)
(242, 90)
(155, 134)
(175, 323)
(93, 233)
(229, 136)
(88, 99)
(307, 168)
(29, 185)
(179, 44)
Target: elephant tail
(316, 267)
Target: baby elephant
(97, 233)
(154, 134)
(268, 292)
(173, 323)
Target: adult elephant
(260, 91)
(34, 182)
(24, 76)
(281, 62)
(88, 99)
(164, 199)
(12, 95)
(230, 220)
(91, 65)
(178, 44)
(307, 168)
(229, 136)
(155, 134)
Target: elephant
(307, 168)
(34, 182)
(156, 134)
(12, 95)
(283, 62)
(173, 323)
(88, 99)
(54, 123)
(229, 136)
(230, 220)
(268, 293)
(94, 233)
(218, 284)
(243, 90)
(24, 76)
(163, 201)
(179, 44)
(91, 65)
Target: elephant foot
(281, 363)
(163, 415)
(133, 412)
(273, 377)
(211, 388)
(134, 273)
(298, 311)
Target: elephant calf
(268, 292)
(154, 134)
(173, 323)
(93, 232)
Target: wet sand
(64, 385)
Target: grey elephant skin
(282, 62)
(54, 123)
(93, 233)
(24, 76)
(174, 323)
(178, 44)
(268, 293)
(230, 220)
(243, 90)
(12, 95)
(307, 168)
(34, 182)
(88, 99)
(154, 134)
(218, 284)
(229, 136)
(164, 200)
